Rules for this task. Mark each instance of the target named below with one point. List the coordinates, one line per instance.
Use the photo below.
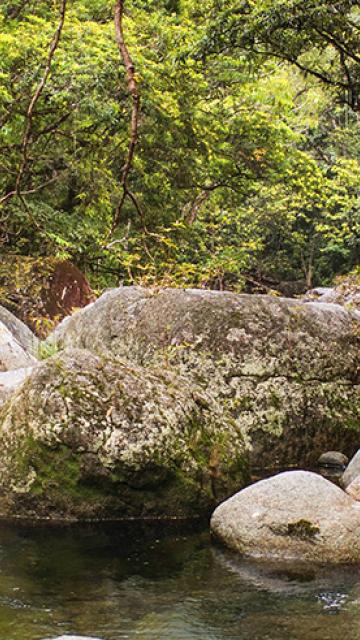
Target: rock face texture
(18, 348)
(87, 437)
(158, 399)
(287, 371)
(295, 515)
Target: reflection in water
(113, 584)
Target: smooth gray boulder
(12, 354)
(24, 336)
(88, 437)
(287, 370)
(333, 459)
(352, 470)
(296, 515)
(10, 381)
(353, 489)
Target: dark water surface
(145, 584)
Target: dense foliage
(247, 167)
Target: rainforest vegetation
(209, 144)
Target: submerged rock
(333, 459)
(74, 638)
(295, 515)
(286, 370)
(90, 437)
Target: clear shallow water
(144, 584)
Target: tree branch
(134, 126)
(30, 111)
(37, 94)
(28, 192)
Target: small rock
(296, 515)
(333, 459)
(353, 489)
(316, 293)
(352, 471)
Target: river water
(149, 583)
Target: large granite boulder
(91, 437)
(295, 515)
(287, 371)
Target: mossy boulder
(286, 371)
(96, 437)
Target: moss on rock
(91, 437)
